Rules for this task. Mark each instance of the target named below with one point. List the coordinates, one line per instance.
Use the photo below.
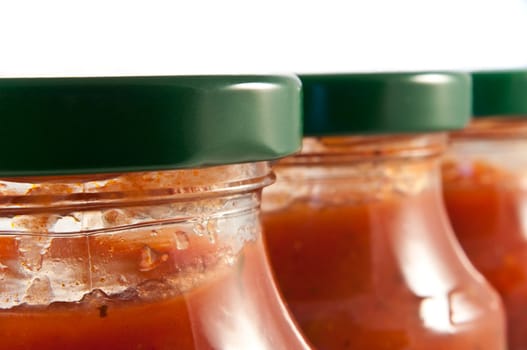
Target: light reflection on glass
(253, 86)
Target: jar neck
(360, 149)
(490, 150)
(118, 231)
(386, 190)
(493, 128)
(348, 170)
(188, 193)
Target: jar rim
(343, 150)
(20, 194)
(499, 128)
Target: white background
(73, 38)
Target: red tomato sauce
(487, 209)
(237, 307)
(380, 274)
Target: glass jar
(102, 258)
(356, 229)
(485, 191)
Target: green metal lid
(56, 126)
(385, 103)
(500, 93)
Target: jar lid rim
(500, 93)
(55, 126)
(377, 103)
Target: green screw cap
(500, 93)
(55, 126)
(385, 103)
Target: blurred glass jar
(114, 234)
(485, 190)
(355, 225)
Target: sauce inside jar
(364, 255)
(157, 271)
(486, 196)
(155, 315)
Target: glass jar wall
(155, 260)
(484, 180)
(364, 254)
(356, 229)
(159, 248)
